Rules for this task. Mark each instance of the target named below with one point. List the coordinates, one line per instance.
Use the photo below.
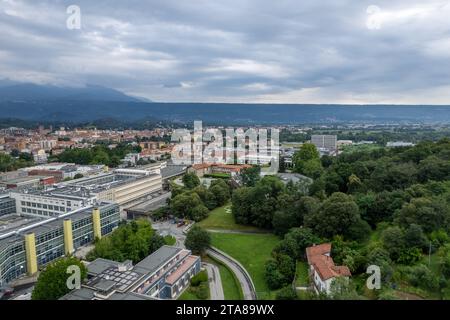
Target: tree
(220, 191)
(131, 241)
(188, 205)
(335, 217)
(190, 180)
(295, 243)
(354, 184)
(431, 214)
(199, 213)
(286, 293)
(393, 241)
(197, 240)
(415, 238)
(307, 161)
(342, 288)
(250, 176)
(51, 284)
(256, 205)
(273, 276)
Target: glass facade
(50, 241)
(7, 206)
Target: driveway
(215, 282)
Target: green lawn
(221, 218)
(231, 288)
(170, 240)
(188, 295)
(252, 251)
(302, 277)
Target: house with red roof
(322, 269)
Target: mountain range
(75, 105)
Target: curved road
(248, 288)
(215, 282)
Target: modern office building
(7, 205)
(162, 275)
(52, 202)
(126, 187)
(28, 243)
(324, 141)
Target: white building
(322, 269)
(324, 141)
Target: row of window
(44, 206)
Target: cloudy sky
(276, 51)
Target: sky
(251, 51)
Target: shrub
(200, 277)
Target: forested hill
(219, 113)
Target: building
(22, 183)
(205, 168)
(61, 171)
(126, 187)
(7, 205)
(52, 202)
(162, 275)
(40, 156)
(322, 269)
(398, 144)
(328, 142)
(29, 243)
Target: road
(248, 288)
(215, 282)
(167, 228)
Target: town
(69, 196)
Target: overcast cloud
(279, 51)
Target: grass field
(231, 287)
(301, 277)
(252, 251)
(221, 218)
(188, 295)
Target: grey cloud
(255, 50)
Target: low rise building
(164, 274)
(322, 269)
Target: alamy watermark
(226, 146)
(73, 22)
(373, 21)
(374, 280)
(74, 280)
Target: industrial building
(126, 187)
(28, 243)
(162, 275)
(7, 205)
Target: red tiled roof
(186, 265)
(318, 257)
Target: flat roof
(157, 259)
(15, 225)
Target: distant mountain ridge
(219, 113)
(10, 91)
(34, 102)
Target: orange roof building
(322, 268)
